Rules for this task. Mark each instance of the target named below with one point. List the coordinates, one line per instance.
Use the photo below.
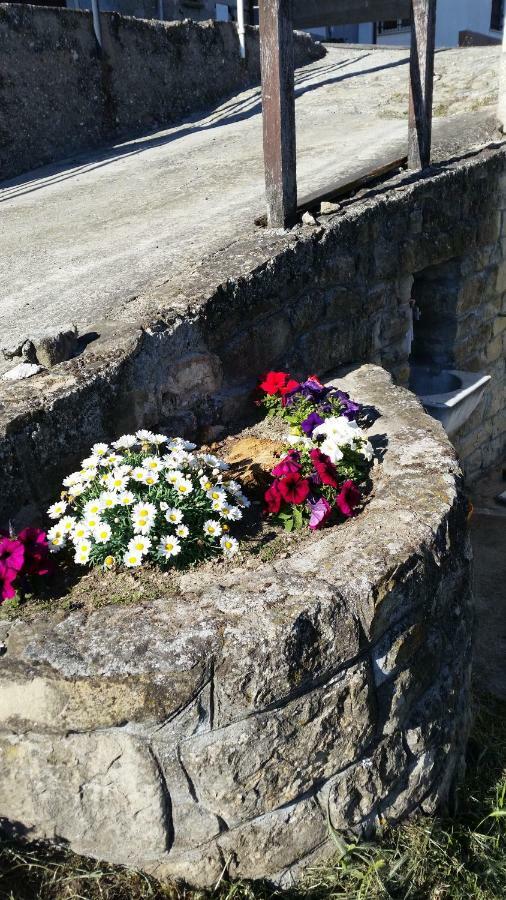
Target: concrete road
(80, 238)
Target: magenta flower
(288, 466)
(348, 499)
(294, 489)
(37, 561)
(320, 511)
(12, 558)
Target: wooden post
(278, 102)
(421, 69)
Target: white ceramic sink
(448, 395)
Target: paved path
(81, 238)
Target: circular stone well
(221, 724)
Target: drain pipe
(97, 27)
(501, 106)
(240, 28)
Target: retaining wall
(309, 300)
(59, 95)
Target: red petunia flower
(349, 498)
(294, 489)
(324, 468)
(278, 383)
(288, 466)
(273, 499)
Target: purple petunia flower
(350, 409)
(320, 511)
(312, 422)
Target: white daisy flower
(132, 559)
(91, 462)
(184, 486)
(80, 532)
(139, 544)
(109, 562)
(212, 528)
(219, 504)
(74, 478)
(205, 483)
(57, 509)
(83, 550)
(99, 449)
(102, 533)
(147, 437)
(67, 524)
(231, 513)
(159, 439)
(182, 531)
(138, 474)
(93, 507)
(143, 526)
(163, 505)
(174, 516)
(229, 545)
(125, 442)
(108, 500)
(169, 546)
(173, 476)
(92, 521)
(234, 487)
(151, 478)
(113, 459)
(116, 482)
(152, 463)
(76, 490)
(126, 498)
(217, 493)
(56, 531)
(144, 511)
(88, 475)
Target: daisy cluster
(323, 474)
(145, 498)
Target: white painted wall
(452, 16)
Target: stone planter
(220, 726)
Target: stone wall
(218, 726)
(309, 300)
(59, 96)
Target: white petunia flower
(367, 450)
(182, 531)
(132, 559)
(174, 516)
(169, 546)
(125, 442)
(331, 449)
(99, 449)
(212, 528)
(338, 429)
(57, 509)
(229, 545)
(139, 544)
(102, 533)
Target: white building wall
(452, 16)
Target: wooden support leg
(423, 33)
(278, 101)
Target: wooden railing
(277, 20)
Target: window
(393, 26)
(497, 15)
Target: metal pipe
(161, 15)
(501, 106)
(97, 26)
(241, 30)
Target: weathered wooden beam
(312, 13)
(278, 102)
(421, 71)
